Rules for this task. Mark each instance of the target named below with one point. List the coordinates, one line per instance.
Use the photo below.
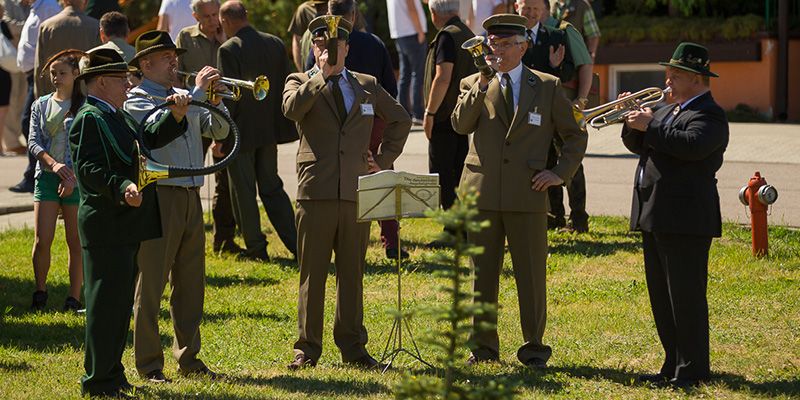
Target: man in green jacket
(114, 216)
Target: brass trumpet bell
(476, 48)
(616, 111)
(332, 37)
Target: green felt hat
(103, 61)
(151, 42)
(318, 26)
(504, 25)
(691, 57)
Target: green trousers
(109, 274)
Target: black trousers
(222, 207)
(446, 153)
(676, 268)
(576, 190)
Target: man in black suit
(247, 54)
(676, 206)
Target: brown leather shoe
(156, 376)
(301, 361)
(366, 362)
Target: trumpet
(148, 171)
(332, 38)
(617, 110)
(259, 87)
(477, 49)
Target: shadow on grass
(591, 247)
(221, 281)
(45, 337)
(14, 366)
(16, 294)
(257, 315)
(314, 386)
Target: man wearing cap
(334, 109)
(514, 115)
(179, 254)
(676, 207)
(247, 54)
(114, 216)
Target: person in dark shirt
(445, 66)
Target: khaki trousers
(527, 243)
(178, 257)
(325, 226)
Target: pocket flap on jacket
(537, 164)
(472, 159)
(306, 157)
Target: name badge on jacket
(366, 109)
(534, 118)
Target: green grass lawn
(599, 323)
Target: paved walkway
(772, 149)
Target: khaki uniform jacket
(505, 155)
(69, 29)
(332, 155)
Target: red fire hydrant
(758, 196)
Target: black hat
(318, 26)
(505, 25)
(103, 61)
(691, 57)
(151, 42)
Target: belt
(186, 188)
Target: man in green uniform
(113, 215)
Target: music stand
(396, 195)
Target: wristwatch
(428, 112)
(583, 101)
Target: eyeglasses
(503, 46)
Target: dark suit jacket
(102, 145)
(246, 55)
(677, 191)
(538, 54)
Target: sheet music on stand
(396, 194)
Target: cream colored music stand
(392, 195)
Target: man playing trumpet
(179, 255)
(514, 116)
(334, 109)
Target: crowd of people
(508, 130)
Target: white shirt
(113, 109)
(516, 76)
(41, 10)
(400, 23)
(482, 9)
(348, 93)
(180, 15)
(534, 33)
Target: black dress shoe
(72, 304)
(156, 376)
(23, 186)
(556, 222)
(536, 363)
(301, 361)
(654, 378)
(39, 300)
(472, 360)
(684, 383)
(202, 372)
(227, 246)
(439, 244)
(261, 256)
(366, 362)
(392, 254)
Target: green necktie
(338, 97)
(508, 96)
